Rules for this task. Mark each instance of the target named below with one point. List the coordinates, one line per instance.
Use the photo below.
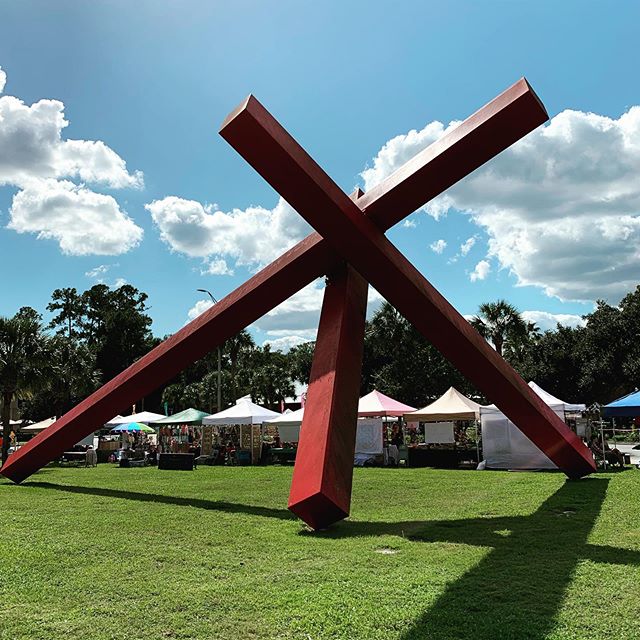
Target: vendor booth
(627, 406)
(239, 429)
(182, 432)
(504, 446)
(445, 440)
(375, 412)
(288, 425)
(380, 434)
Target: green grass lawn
(141, 553)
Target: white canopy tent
(368, 434)
(451, 405)
(242, 412)
(144, 417)
(288, 425)
(504, 446)
(39, 426)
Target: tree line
(95, 334)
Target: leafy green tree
(499, 322)
(24, 365)
(300, 358)
(116, 326)
(70, 307)
(269, 377)
(400, 362)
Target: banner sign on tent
(439, 433)
(369, 436)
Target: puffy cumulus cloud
(217, 267)
(199, 307)
(251, 237)
(31, 146)
(81, 221)
(299, 315)
(286, 343)
(3, 80)
(545, 320)
(399, 150)
(438, 246)
(561, 207)
(409, 224)
(481, 271)
(36, 159)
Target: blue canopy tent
(627, 406)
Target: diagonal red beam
(493, 128)
(295, 175)
(322, 477)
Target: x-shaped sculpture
(352, 250)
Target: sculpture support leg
(322, 477)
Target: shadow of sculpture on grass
(515, 591)
(518, 588)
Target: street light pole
(219, 403)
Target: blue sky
(554, 221)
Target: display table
(281, 455)
(176, 461)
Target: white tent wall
(368, 434)
(504, 446)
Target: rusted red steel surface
(321, 485)
(285, 165)
(322, 476)
(490, 130)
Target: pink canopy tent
(377, 404)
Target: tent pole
(475, 422)
(613, 424)
(604, 453)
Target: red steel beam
(496, 126)
(284, 164)
(322, 477)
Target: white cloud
(286, 343)
(545, 320)
(481, 271)
(252, 237)
(300, 314)
(467, 245)
(81, 221)
(40, 163)
(217, 267)
(409, 224)
(3, 79)
(120, 282)
(399, 150)
(561, 207)
(98, 272)
(31, 146)
(199, 307)
(438, 246)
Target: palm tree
(234, 348)
(499, 322)
(23, 363)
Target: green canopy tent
(188, 416)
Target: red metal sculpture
(352, 249)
